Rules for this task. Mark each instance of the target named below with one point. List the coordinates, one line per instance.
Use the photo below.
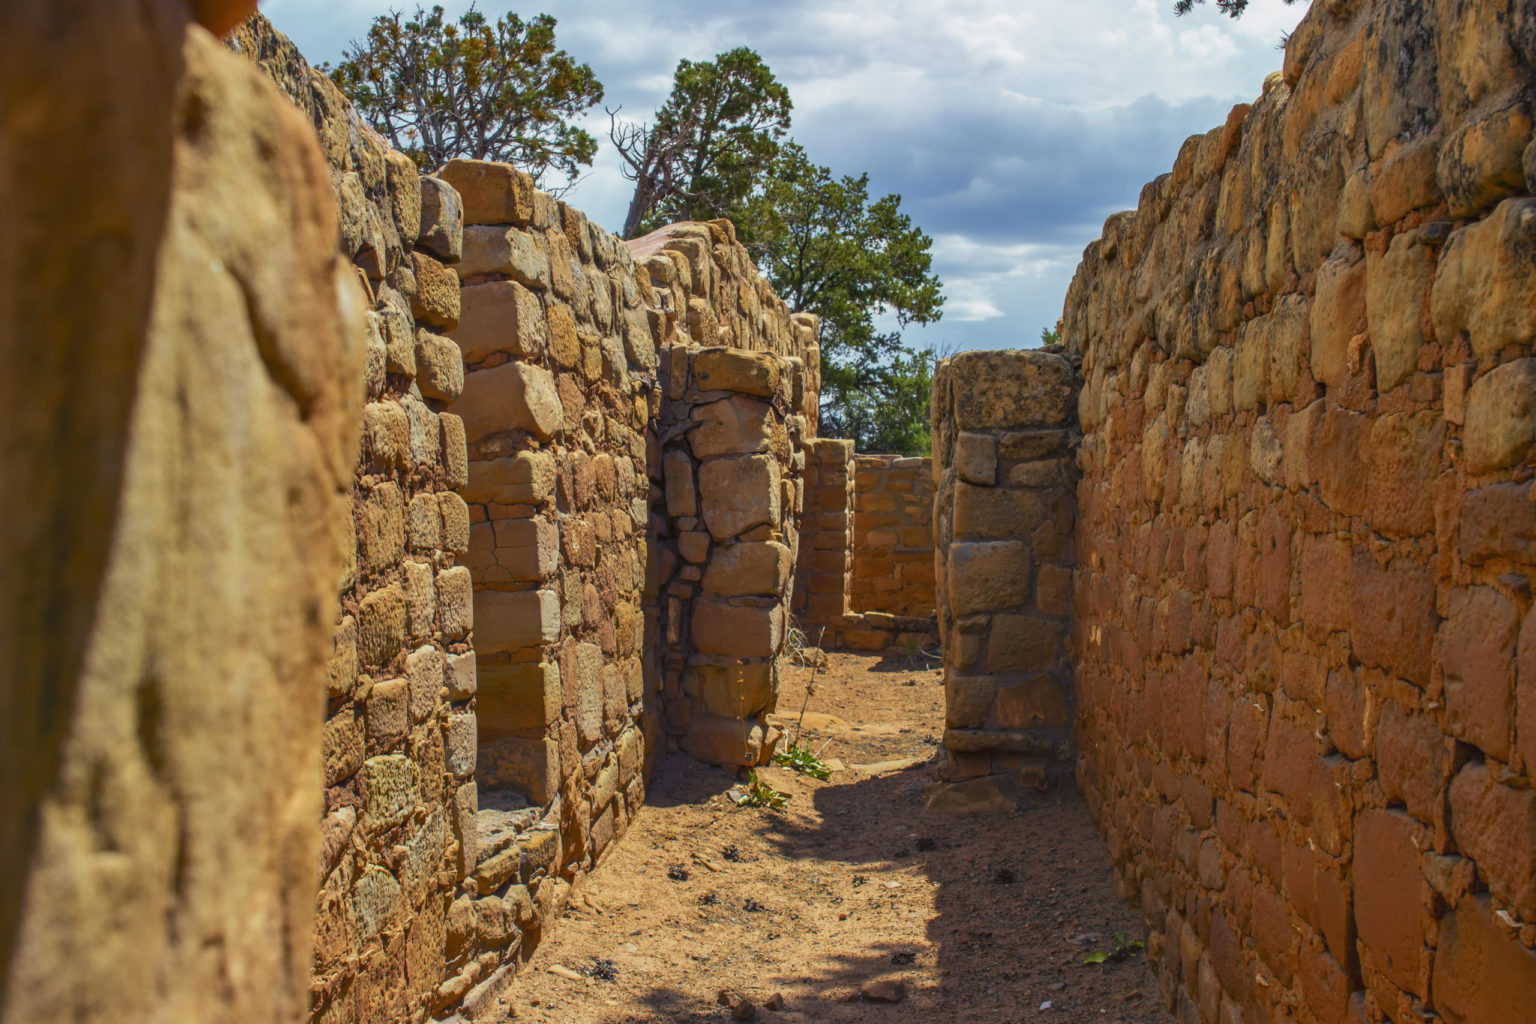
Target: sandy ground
(983, 918)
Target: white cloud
(1010, 127)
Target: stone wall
(1304, 604)
(824, 573)
(178, 455)
(1004, 450)
(893, 536)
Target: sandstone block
(1021, 643)
(1501, 416)
(1338, 315)
(436, 301)
(509, 252)
(420, 601)
(740, 570)
(376, 901)
(1038, 702)
(1404, 459)
(391, 790)
(988, 576)
(381, 528)
(512, 396)
(492, 193)
(729, 742)
(739, 425)
(528, 478)
(342, 747)
(994, 390)
(529, 766)
(1481, 973)
(681, 497)
(988, 513)
(460, 744)
(454, 514)
(461, 677)
(1495, 825)
(341, 673)
(386, 435)
(728, 369)
(455, 450)
(381, 625)
(424, 672)
(424, 531)
(439, 367)
(564, 341)
(523, 550)
(1397, 284)
(740, 690)
(968, 700)
(1485, 283)
(1389, 887)
(976, 458)
(441, 231)
(1483, 162)
(738, 631)
(738, 493)
(511, 622)
(514, 697)
(503, 316)
(455, 603)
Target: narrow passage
(985, 918)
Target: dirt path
(983, 918)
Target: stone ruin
(317, 712)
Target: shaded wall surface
(1005, 512)
(1307, 699)
(893, 536)
(178, 454)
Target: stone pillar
(733, 459)
(1004, 451)
(180, 432)
(824, 572)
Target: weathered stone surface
(976, 458)
(730, 742)
(682, 498)
(738, 493)
(739, 425)
(725, 369)
(525, 695)
(492, 193)
(1338, 316)
(1476, 645)
(525, 478)
(1396, 287)
(1388, 890)
(987, 577)
(740, 570)
(507, 252)
(1501, 417)
(992, 513)
(439, 367)
(1485, 283)
(737, 630)
(500, 316)
(512, 621)
(995, 390)
(1020, 643)
(512, 396)
(1493, 825)
(442, 220)
(436, 299)
(1480, 974)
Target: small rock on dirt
(774, 1002)
(740, 1006)
(885, 990)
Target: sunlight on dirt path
(980, 918)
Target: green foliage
(802, 759)
(760, 794)
(828, 249)
(1049, 336)
(710, 145)
(1231, 8)
(501, 90)
(1123, 949)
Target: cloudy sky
(1011, 128)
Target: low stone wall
(893, 536)
(1004, 461)
(824, 572)
(1306, 545)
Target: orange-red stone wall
(1305, 641)
(893, 535)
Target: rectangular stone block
(988, 576)
(516, 697)
(500, 316)
(737, 630)
(512, 622)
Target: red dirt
(851, 883)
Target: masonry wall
(893, 536)
(824, 572)
(1304, 607)
(178, 464)
(1004, 449)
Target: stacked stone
(558, 392)
(1306, 619)
(824, 573)
(893, 536)
(1004, 451)
(733, 457)
(399, 745)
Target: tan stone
(526, 478)
(1482, 162)
(729, 742)
(436, 300)
(454, 514)
(1397, 284)
(985, 513)
(520, 549)
(738, 493)
(508, 252)
(725, 369)
(455, 449)
(514, 395)
(740, 570)
(968, 700)
(502, 316)
(682, 499)
(1480, 972)
(381, 625)
(1495, 824)
(511, 622)
(1477, 651)
(530, 766)
(739, 631)
(455, 603)
(988, 576)
(739, 425)
(1338, 315)
(1038, 702)
(741, 690)
(1485, 283)
(441, 228)
(1021, 643)
(424, 530)
(976, 458)
(512, 697)
(1501, 417)
(492, 193)
(439, 367)
(381, 528)
(996, 390)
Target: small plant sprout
(760, 794)
(1124, 950)
(800, 758)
